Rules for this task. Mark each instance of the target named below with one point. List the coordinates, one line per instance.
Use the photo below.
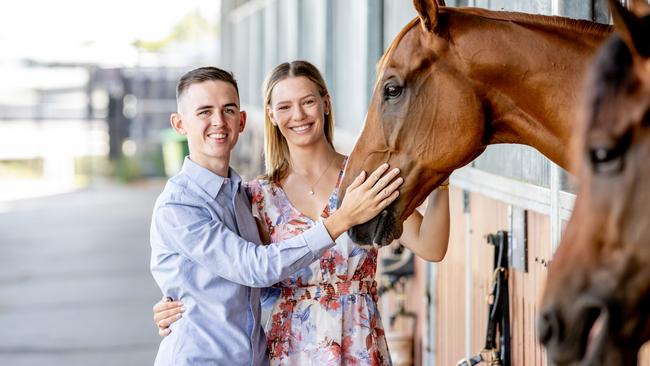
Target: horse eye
(606, 161)
(609, 160)
(392, 91)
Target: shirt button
(226, 180)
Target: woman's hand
(364, 199)
(165, 312)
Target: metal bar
(432, 285)
(567, 201)
(525, 195)
(556, 222)
(468, 274)
(247, 9)
(555, 7)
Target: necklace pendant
(311, 191)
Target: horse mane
(521, 18)
(610, 74)
(579, 25)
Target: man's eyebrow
(210, 106)
(203, 107)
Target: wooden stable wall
(488, 216)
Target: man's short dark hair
(208, 73)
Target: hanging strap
(496, 351)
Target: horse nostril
(548, 326)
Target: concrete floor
(75, 287)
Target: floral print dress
(325, 313)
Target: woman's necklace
(312, 186)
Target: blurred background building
(85, 96)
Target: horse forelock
(383, 61)
(611, 73)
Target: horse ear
(640, 7)
(633, 30)
(428, 13)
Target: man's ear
(242, 121)
(177, 123)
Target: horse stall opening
(509, 187)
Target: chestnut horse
(596, 305)
(456, 80)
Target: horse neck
(530, 75)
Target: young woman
(324, 314)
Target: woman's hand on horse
(365, 199)
(165, 312)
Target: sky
(53, 28)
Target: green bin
(174, 149)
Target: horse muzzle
(579, 341)
(381, 230)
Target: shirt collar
(210, 182)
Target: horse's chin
(592, 349)
(381, 230)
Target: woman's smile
(302, 129)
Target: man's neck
(218, 166)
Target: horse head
(418, 90)
(455, 80)
(595, 308)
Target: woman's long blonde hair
(276, 150)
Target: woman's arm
(428, 236)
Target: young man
(204, 239)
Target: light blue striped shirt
(205, 251)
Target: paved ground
(75, 288)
